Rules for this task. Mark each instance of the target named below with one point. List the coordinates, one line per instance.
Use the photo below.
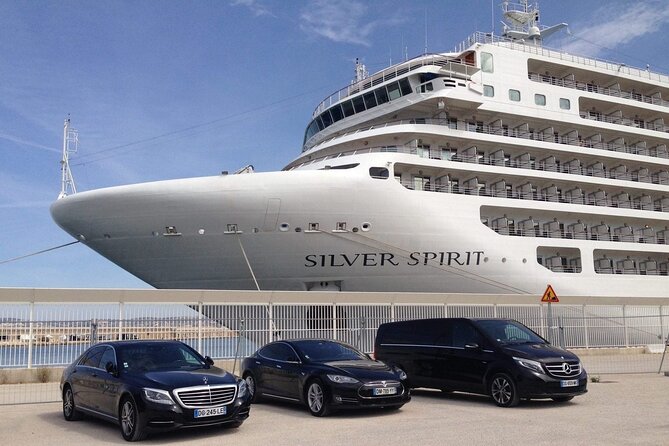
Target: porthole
(256, 230)
(365, 226)
(485, 259)
(298, 229)
(503, 259)
(524, 260)
(283, 227)
(355, 229)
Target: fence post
(663, 336)
(392, 312)
(30, 335)
(121, 308)
(561, 332)
(270, 321)
(334, 321)
(627, 341)
(541, 321)
(94, 331)
(199, 326)
(585, 328)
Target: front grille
(566, 369)
(206, 396)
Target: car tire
(316, 398)
(70, 411)
(132, 427)
(252, 386)
(562, 399)
(503, 390)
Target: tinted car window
(423, 332)
(108, 356)
(92, 359)
(509, 332)
(464, 333)
(328, 351)
(158, 356)
(279, 352)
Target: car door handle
(278, 366)
(258, 362)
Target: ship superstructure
(499, 167)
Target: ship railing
(505, 131)
(587, 198)
(569, 83)
(449, 63)
(570, 235)
(505, 162)
(630, 122)
(597, 64)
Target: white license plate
(211, 412)
(385, 391)
(569, 383)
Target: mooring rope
(38, 252)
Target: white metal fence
(40, 330)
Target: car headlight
(242, 388)
(535, 366)
(158, 396)
(402, 374)
(341, 379)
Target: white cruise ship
(500, 167)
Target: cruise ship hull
(315, 229)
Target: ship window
(347, 107)
(514, 95)
(327, 119)
(319, 123)
(489, 91)
(336, 113)
(540, 99)
(381, 95)
(486, 63)
(394, 91)
(421, 183)
(343, 166)
(370, 100)
(380, 173)
(405, 86)
(565, 104)
(358, 104)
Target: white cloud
(253, 5)
(340, 21)
(618, 26)
(23, 142)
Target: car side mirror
(110, 367)
(472, 346)
(208, 360)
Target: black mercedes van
(498, 357)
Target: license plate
(384, 391)
(569, 383)
(210, 412)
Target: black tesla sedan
(324, 375)
(152, 385)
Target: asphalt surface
(619, 410)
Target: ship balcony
(614, 90)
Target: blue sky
(176, 89)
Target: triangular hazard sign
(549, 295)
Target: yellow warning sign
(549, 295)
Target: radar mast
(521, 22)
(70, 147)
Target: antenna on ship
(70, 146)
(360, 71)
(521, 22)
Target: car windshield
(322, 351)
(153, 356)
(509, 332)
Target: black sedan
(152, 385)
(324, 375)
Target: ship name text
(371, 259)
